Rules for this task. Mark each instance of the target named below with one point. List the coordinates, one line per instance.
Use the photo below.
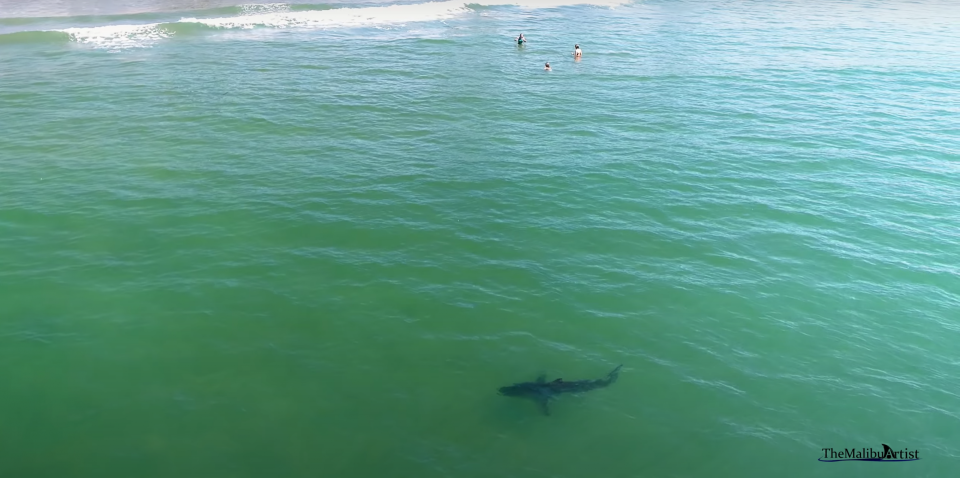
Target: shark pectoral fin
(544, 406)
(542, 378)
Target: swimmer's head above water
(546, 66)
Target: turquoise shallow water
(311, 248)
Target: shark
(542, 391)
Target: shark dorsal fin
(887, 451)
(558, 380)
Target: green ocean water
(289, 243)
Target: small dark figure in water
(520, 40)
(542, 391)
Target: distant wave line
(278, 16)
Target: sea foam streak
(279, 15)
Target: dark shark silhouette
(887, 451)
(543, 391)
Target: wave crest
(283, 15)
(119, 36)
(340, 17)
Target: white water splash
(340, 17)
(279, 15)
(118, 36)
(257, 9)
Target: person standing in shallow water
(521, 40)
(576, 52)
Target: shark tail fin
(615, 374)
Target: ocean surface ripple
(303, 239)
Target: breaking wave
(274, 15)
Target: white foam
(340, 17)
(256, 8)
(279, 15)
(276, 17)
(118, 36)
